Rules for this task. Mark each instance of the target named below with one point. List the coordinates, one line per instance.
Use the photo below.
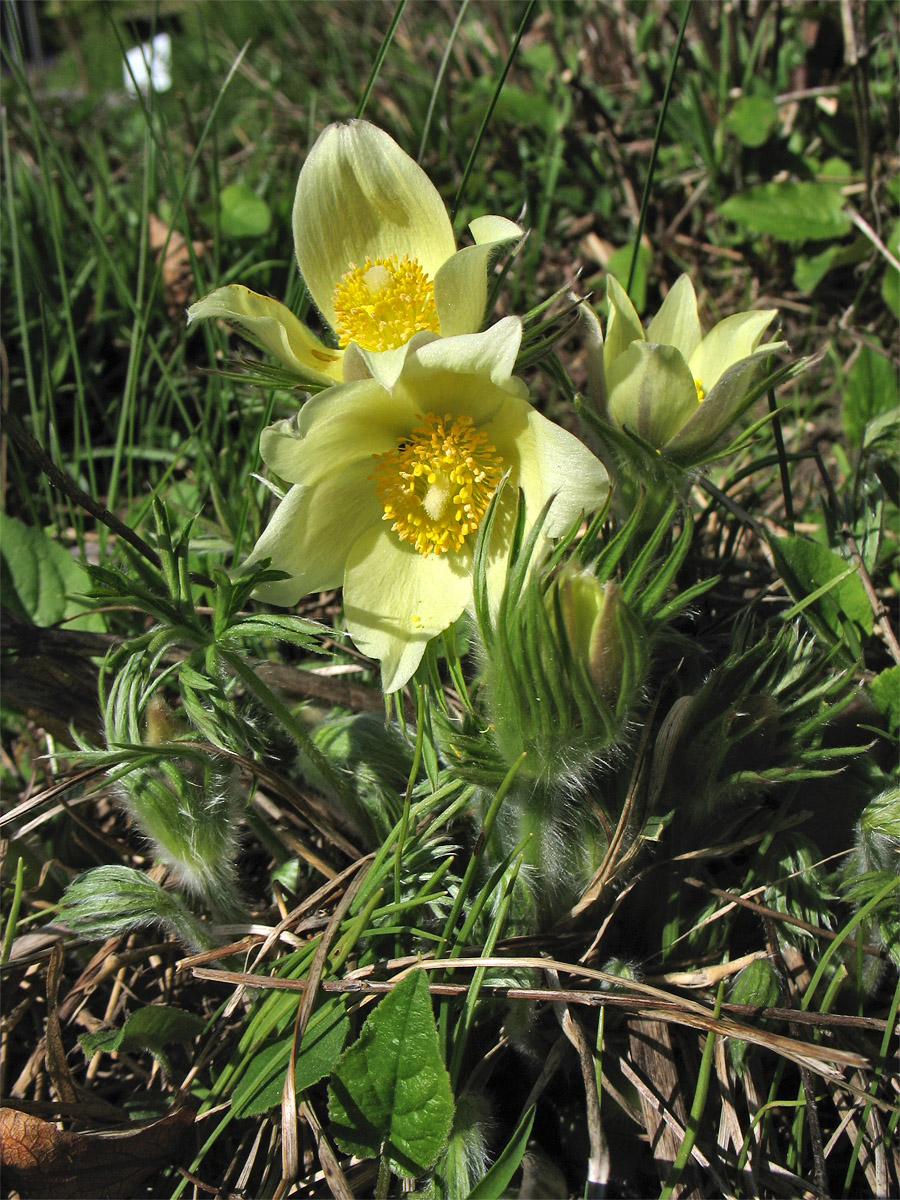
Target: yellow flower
(376, 250)
(674, 388)
(392, 478)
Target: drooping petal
(623, 325)
(677, 323)
(727, 343)
(312, 531)
(322, 440)
(721, 407)
(396, 600)
(272, 327)
(549, 461)
(651, 391)
(494, 230)
(461, 284)
(359, 194)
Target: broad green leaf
(752, 119)
(823, 584)
(620, 264)
(789, 211)
(262, 1084)
(242, 212)
(870, 389)
(890, 290)
(811, 269)
(390, 1093)
(890, 285)
(496, 1181)
(152, 1028)
(885, 691)
(37, 573)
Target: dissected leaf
(40, 1160)
(790, 211)
(390, 1092)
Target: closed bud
(604, 634)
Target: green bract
(674, 388)
(392, 477)
(376, 250)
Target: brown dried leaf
(40, 1160)
(171, 249)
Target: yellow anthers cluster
(436, 486)
(701, 391)
(381, 304)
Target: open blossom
(376, 250)
(671, 386)
(392, 478)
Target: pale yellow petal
(651, 391)
(727, 343)
(311, 533)
(495, 229)
(490, 355)
(396, 600)
(623, 325)
(359, 194)
(677, 323)
(548, 461)
(272, 327)
(323, 440)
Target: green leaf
(885, 692)
(870, 389)
(811, 269)
(495, 1182)
(151, 1028)
(390, 1092)
(262, 1085)
(620, 264)
(36, 573)
(242, 212)
(890, 290)
(752, 119)
(789, 211)
(824, 585)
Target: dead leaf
(41, 1161)
(178, 277)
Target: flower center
(701, 391)
(381, 304)
(436, 486)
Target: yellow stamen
(381, 304)
(701, 393)
(436, 486)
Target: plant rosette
(392, 477)
(671, 388)
(376, 250)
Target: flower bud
(604, 635)
(672, 388)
